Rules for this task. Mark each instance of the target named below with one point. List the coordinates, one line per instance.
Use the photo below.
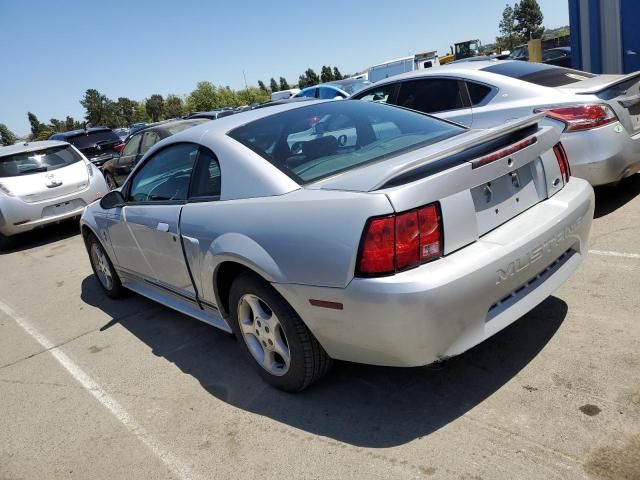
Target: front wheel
(103, 269)
(272, 335)
(6, 242)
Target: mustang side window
(206, 177)
(165, 176)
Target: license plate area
(505, 197)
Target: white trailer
(419, 61)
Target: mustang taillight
(581, 117)
(401, 241)
(563, 162)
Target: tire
(103, 269)
(254, 304)
(6, 242)
(111, 182)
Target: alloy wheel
(263, 335)
(101, 265)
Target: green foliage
(7, 137)
(36, 126)
(308, 79)
(174, 106)
(154, 105)
(326, 74)
(336, 74)
(283, 84)
(528, 17)
(273, 85)
(262, 86)
(96, 106)
(507, 28)
(126, 111)
(203, 98)
(251, 95)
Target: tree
(36, 126)
(283, 84)
(262, 86)
(308, 79)
(507, 28)
(336, 74)
(326, 75)
(96, 106)
(203, 98)
(154, 105)
(251, 95)
(126, 111)
(7, 137)
(71, 124)
(529, 18)
(173, 106)
(273, 85)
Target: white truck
(284, 94)
(419, 61)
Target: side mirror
(113, 199)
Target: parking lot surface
(97, 388)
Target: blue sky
(53, 51)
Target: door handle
(163, 227)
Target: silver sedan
(41, 183)
(345, 230)
(598, 116)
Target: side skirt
(209, 314)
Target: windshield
(183, 125)
(316, 141)
(539, 73)
(39, 161)
(354, 86)
(93, 138)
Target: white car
(42, 183)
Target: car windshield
(92, 138)
(539, 73)
(44, 160)
(178, 127)
(316, 141)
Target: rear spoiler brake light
(505, 152)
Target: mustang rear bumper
(447, 306)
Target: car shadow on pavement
(43, 236)
(609, 199)
(361, 405)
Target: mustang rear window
(89, 139)
(539, 73)
(316, 141)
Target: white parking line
(606, 253)
(89, 384)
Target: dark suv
(95, 143)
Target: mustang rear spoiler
(462, 152)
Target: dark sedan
(136, 145)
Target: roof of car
(167, 125)
(82, 131)
(29, 147)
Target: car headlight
(90, 169)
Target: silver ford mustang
(345, 230)
(598, 116)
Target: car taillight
(401, 241)
(563, 162)
(581, 117)
(119, 147)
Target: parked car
(137, 144)
(42, 183)
(345, 230)
(122, 133)
(284, 94)
(560, 56)
(136, 126)
(97, 143)
(213, 114)
(331, 90)
(597, 115)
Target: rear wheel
(111, 182)
(272, 335)
(103, 269)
